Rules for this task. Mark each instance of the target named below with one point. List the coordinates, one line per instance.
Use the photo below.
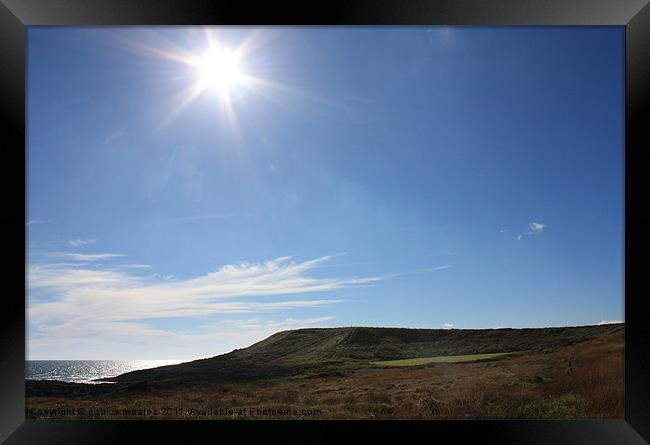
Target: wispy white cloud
(141, 341)
(135, 266)
(67, 299)
(448, 325)
(80, 242)
(253, 323)
(65, 279)
(191, 218)
(425, 270)
(534, 228)
(609, 322)
(113, 136)
(85, 256)
(504, 231)
(443, 267)
(35, 221)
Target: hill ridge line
(332, 350)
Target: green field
(439, 359)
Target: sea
(86, 371)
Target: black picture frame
(634, 15)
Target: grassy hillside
(330, 350)
(581, 381)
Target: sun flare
(214, 67)
(219, 69)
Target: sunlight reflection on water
(85, 371)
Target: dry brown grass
(581, 381)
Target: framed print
(242, 218)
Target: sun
(219, 69)
(214, 66)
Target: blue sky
(417, 177)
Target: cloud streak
(191, 218)
(80, 242)
(68, 299)
(443, 267)
(117, 339)
(86, 256)
(426, 270)
(113, 136)
(534, 228)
